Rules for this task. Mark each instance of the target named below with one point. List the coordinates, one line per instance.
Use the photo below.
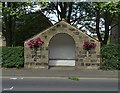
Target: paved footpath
(59, 73)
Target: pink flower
(93, 46)
(84, 46)
(30, 43)
(88, 46)
(36, 42)
(87, 43)
(39, 40)
(42, 41)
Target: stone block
(82, 64)
(93, 60)
(98, 56)
(84, 52)
(64, 25)
(82, 56)
(87, 64)
(72, 29)
(81, 60)
(76, 33)
(92, 51)
(92, 41)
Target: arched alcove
(62, 50)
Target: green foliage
(113, 9)
(12, 57)
(0, 5)
(30, 25)
(108, 42)
(11, 11)
(74, 78)
(110, 57)
(15, 9)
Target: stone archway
(62, 47)
(62, 50)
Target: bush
(110, 57)
(12, 57)
(74, 78)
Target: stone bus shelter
(62, 47)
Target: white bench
(61, 62)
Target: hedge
(110, 57)
(12, 57)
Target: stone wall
(115, 35)
(2, 40)
(83, 59)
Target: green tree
(94, 17)
(105, 14)
(60, 9)
(11, 11)
(111, 11)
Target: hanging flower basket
(88, 46)
(34, 44)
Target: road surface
(58, 84)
